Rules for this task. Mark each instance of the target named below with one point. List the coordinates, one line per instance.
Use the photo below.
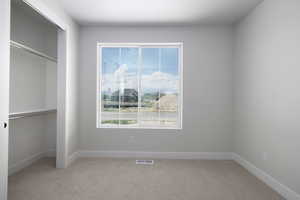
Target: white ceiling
(158, 12)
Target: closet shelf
(30, 50)
(31, 113)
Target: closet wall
(32, 87)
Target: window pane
(149, 112)
(109, 87)
(169, 87)
(128, 84)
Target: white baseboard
(159, 155)
(285, 191)
(29, 161)
(24, 163)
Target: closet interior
(33, 87)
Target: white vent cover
(144, 162)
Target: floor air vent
(144, 162)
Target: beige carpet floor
(122, 179)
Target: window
(139, 86)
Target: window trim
(101, 45)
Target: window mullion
(159, 66)
(119, 89)
(139, 85)
(179, 89)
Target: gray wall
(207, 110)
(266, 103)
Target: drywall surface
(33, 79)
(50, 129)
(51, 85)
(207, 101)
(266, 103)
(27, 81)
(32, 87)
(31, 30)
(26, 139)
(51, 103)
(71, 94)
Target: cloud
(164, 81)
(122, 79)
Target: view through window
(139, 86)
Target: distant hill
(168, 102)
(150, 101)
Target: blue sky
(159, 69)
(112, 58)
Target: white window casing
(124, 118)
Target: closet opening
(33, 98)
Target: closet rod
(19, 115)
(12, 118)
(30, 50)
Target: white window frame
(101, 45)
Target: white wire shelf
(31, 113)
(31, 50)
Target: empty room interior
(150, 100)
